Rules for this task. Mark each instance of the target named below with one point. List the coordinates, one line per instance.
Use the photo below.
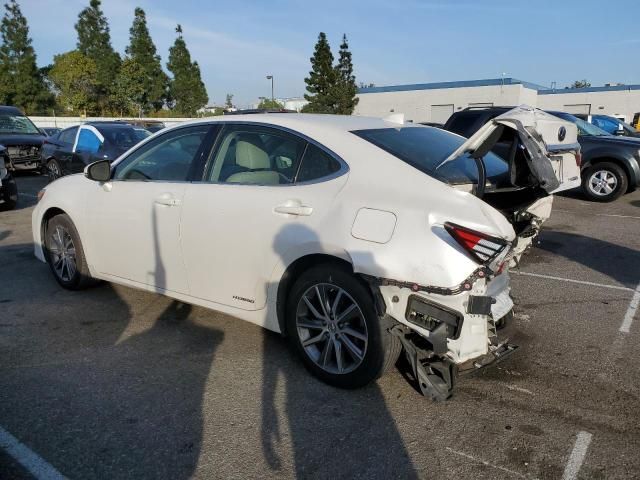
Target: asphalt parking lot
(118, 383)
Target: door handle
(168, 200)
(294, 207)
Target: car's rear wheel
(334, 327)
(604, 182)
(53, 169)
(64, 254)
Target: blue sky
(238, 42)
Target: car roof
(307, 121)
(7, 109)
(109, 124)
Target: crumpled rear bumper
(470, 338)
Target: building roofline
(611, 88)
(489, 82)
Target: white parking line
(597, 214)
(616, 216)
(571, 280)
(35, 464)
(631, 311)
(484, 462)
(577, 456)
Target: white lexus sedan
(355, 237)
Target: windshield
(584, 128)
(425, 148)
(17, 124)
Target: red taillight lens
(578, 158)
(482, 247)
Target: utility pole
(270, 77)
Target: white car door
(240, 221)
(135, 217)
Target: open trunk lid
(547, 154)
(543, 157)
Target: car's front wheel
(9, 193)
(334, 327)
(604, 182)
(64, 253)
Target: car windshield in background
(426, 147)
(123, 137)
(17, 124)
(584, 128)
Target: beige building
(435, 102)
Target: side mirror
(99, 171)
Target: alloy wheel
(62, 253)
(54, 170)
(331, 328)
(603, 182)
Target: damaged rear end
(449, 329)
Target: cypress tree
(186, 89)
(142, 50)
(346, 81)
(94, 41)
(321, 80)
(21, 82)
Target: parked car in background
(611, 125)
(635, 123)
(355, 237)
(50, 131)
(152, 126)
(76, 147)
(21, 139)
(610, 164)
(8, 187)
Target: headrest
(250, 153)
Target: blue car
(611, 125)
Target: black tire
(381, 349)
(608, 173)
(9, 193)
(76, 278)
(53, 169)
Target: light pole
(270, 77)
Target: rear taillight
(482, 247)
(578, 158)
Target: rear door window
(256, 155)
(88, 141)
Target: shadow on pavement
(94, 389)
(333, 433)
(620, 263)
